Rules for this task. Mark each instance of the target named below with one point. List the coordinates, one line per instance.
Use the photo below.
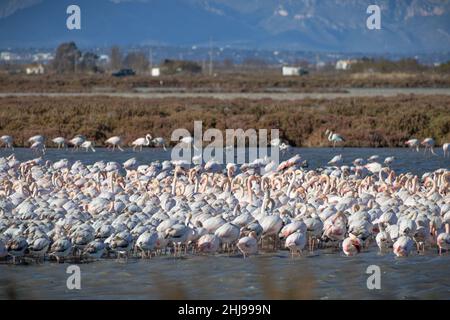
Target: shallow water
(267, 276)
(406, 160)
(323, 275)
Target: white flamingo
(60, 142)
(445, 148)
(160, 142)
(140, 142)
(36, 138)
(248, 245)
(88, 145)
(428, 143)
(413, 144)
(38, 148)
(114, 142)
(77, 141)
(7, 141)
(296, 242)
(351, 245)
(334, 137)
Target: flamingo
(296, 242)
(7, 141)
(413, 144)
(284, 147)
(228, 234)
(383, 239)
(140, 142)
(146, 242)
(160, 142)
(36, 138)
(38, 148)
(60, 142)
(389, 160)
(77, 141)
(403, 246)
(336, 160)
(88, 145)
(61, 248)
(443, 240)
(248, 245)
(39, 247)
(188, 141)
(115, 141)
(428, 143)
(95, 249)
(16, 247)
(351, 245)
(334, 137)
(208, 243)
(445, 148)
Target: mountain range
(309, 25)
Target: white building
(35, 69)
(291, 71)
(344, 64)
(156, 72)
(8, 56)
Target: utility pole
(150, 54)
(210, 58)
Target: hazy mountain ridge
(407, 25)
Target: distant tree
(116, 58)
(137, 61)
(180, 66)
(228, 63)
(66, 58)
(88, 62)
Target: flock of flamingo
(62, 210)
(37, 143)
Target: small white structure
(8, 56)
(291, 71)
(156, 72)
(42, 56)
(344, 64)
(37, 69)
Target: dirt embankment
(374, 121)
(236, 82)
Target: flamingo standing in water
(38, 148)
(60, 142)
(88, 145)
(445, 148)
(36, 138)
(428, 143)
(443, 240)
(296, 242)
(334, 137)
(413, 144)
(77, 141)
(160, 142)
(114, 142)
(248, 245)
(140, 142)
(7, 141)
